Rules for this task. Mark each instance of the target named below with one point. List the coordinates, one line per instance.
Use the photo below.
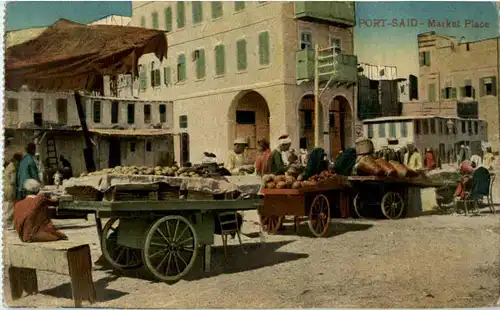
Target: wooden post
(316, 97)
(88, 153)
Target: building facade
(245, 69)
(458, 78)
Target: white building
(445, 134)
(233, 69)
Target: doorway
(114, 153)
(184, 148)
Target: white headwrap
(284, 141)
(32, 186)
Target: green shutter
(154, 17)
(432, 93)
(217, 10)
(143, 81)
(241, 54)
(197, 11)
(200, 64)
(168, 19)
(143, 22)
(239, 5)
(167, 72)
(428, 62)
(453, 93)
(220, 65)
(264, 48)
(181, 15)
(181, 68)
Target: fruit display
(272, 181)
(145, 170)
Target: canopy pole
(316, 97)
(88, 153)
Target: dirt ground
(430, 261)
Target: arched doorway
(307, 122)
(340, 125)
(249, 119)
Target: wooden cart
(165, 236)
(388, 194)
(317, 203)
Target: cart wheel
(392, 205)
(119, 256)
(170, 248)
(359, 205)
(271, 224)
(319, 215)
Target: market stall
(156, 220)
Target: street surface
(430, 261)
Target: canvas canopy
(73, 56)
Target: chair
(229, 225)
(482, 187)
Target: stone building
(245, 69)
(459, 78)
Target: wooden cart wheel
(170, 248)
(270, 224)
(359, 205)
(319, 215)
(119, 256)
(392, 205)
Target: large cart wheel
(170, 248)
(392, 205)
(359, 205)
(119, 256)
(271, 224)
(319, 215)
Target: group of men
(277, 161)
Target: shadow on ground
(102, 293)
(334, 229)
(258, 256)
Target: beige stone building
(458, 78)
(246, 69)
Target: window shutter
(481, 87)
(181, 68)
(143, 83)
(200, 64)
(239, 5)
(216, 9)
(154, 17)
(219, 60)
(421, 58)
(264, 48)
(453, 93)
(143, 22)
(168, 19)
(241, 54)
(197, 11)
(181, 15)
(494, 85)
(157, 77)
(152, 77)
(167, 72)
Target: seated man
(31, 217)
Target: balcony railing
(338, 13)
(346, 69)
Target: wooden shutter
(427, 58)
(216, 9)
(200, 64)
(157, 77)
(482, 87)
(264, 48)
(143, 22)
(181, 14)
(197, 11)
(143, 81)
(239, 5)
(154, 17)
(241, 54)
(167, 78)
(494, 85)
(181, 68)
(453, 93)
(220, 66)
(421, 59)
(168, 19)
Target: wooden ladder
(52, 160)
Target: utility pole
(316, 96)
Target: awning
(131, 132)
(73, 56)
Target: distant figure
(430, 159)
(488, 158)
(476, 159)
(461, 156)
(413, 159)
(27, 170)
(66, 170)
(303, 157)
(285, 154)
(9, 190)
(276, 163)
(262, 161)
(237, 157)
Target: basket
(364, 146)
(84, 193)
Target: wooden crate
(132, 192)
